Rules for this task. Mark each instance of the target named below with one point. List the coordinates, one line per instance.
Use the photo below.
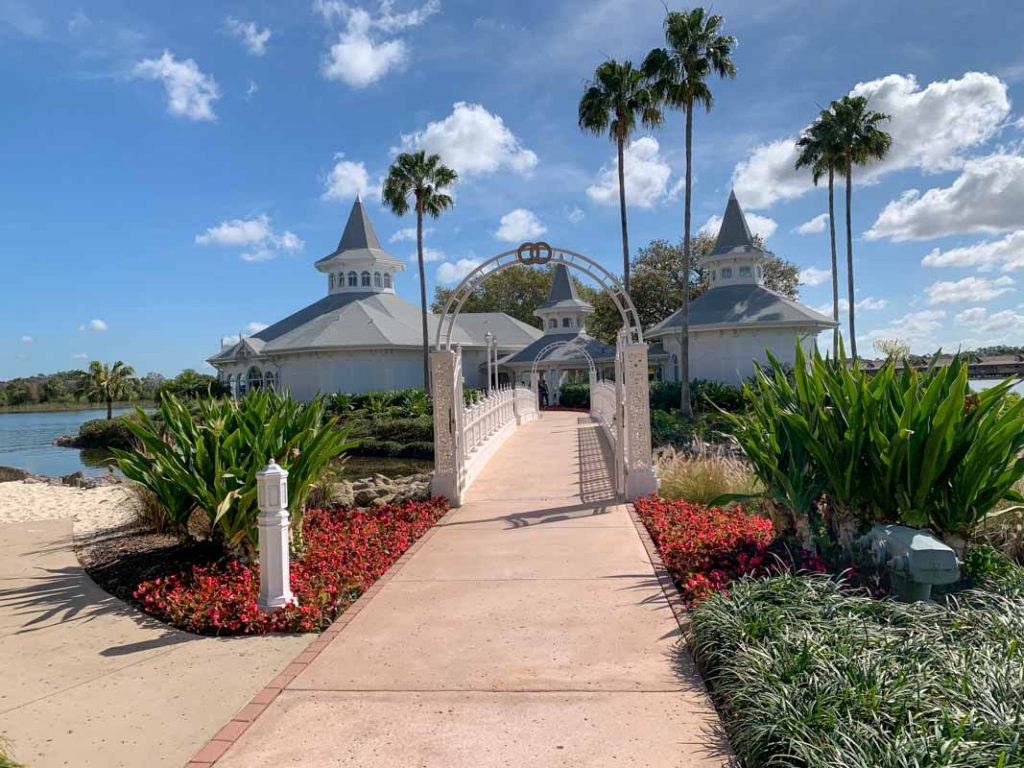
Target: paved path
(87, 681)
(529, 629)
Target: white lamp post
(494, 342)
(273, 525)
(488, 337)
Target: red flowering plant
(706, 548)
(345, 551)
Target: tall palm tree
(617, 99)
(695, 50)
(859, 141)
(108, 382)
(423, 179)
(819, 151)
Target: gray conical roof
(563, 290)
(734, 232)
(358, 231)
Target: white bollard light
(273, 524)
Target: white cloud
(867, 304)
(915, 328)
(255, 234)
(408, 234)
(430, 255)
(969, 289)
(364, 53)
(972, 316)
(814, 276)
(450, 272)
(519, 225)
(254, 38)
(190, 93)
(810, 227)
(473, 141)
(1006, 253)
(646, 176)
(27, 339)
(575, 215)
(988, 196)
(80, 356)
(930, 127)
(249, 329)
(93, 325)
(759, 225)
(346, 180)
(252, 89)
(255, 327)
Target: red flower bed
(345, 552)
(706, 548)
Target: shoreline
(72, 407)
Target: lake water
(26, 442)
(979, 384)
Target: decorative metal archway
(538, 254)
(555, 345)
(627, 423)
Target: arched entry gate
(462, 445)
(544, 352)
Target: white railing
(488, 422)
(603, 407)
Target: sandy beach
(93, 509)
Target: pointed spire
(562, 288)
(734, 232)
(359, 231)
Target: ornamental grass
(345, 552)
(703, 477)
(807, 674)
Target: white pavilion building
(361, 336)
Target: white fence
(603, 407)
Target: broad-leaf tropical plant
(614, 102)
(859, 140)
(695, 50)
(107, 382)
(422, 180)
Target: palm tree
(107, 382)
(422, 179)
(614, 101)
(819, 151)
(859, 141)
(695, 50)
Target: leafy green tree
(107, 382)
(423, 179)
(820, 152)
(695, 50)
(616, 100)
(859, 141)
(516, 291)
(191, 384)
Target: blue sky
(171, 171)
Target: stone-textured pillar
(273, 525)
(448, 440)
(641, 477)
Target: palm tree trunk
(685, 410)
(835, 262)
(423, 297)
(110, 407)
(622, 212)
(849, 262)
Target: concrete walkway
(529, 629)
(87, 681)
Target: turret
(564, 311)
(359, 264)
(735, 259)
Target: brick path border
(247, 715)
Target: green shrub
(669, 429)
(210, 461)
(901, 446)
(806, 674)
(101, 433)
(417, 449)
(574, 396)
(714, 395)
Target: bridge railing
(604, 408)
(488, 422)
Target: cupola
(359, 264)
(564, 311)
(736, 259)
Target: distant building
(361, 336)
(738, 319)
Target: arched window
(567, 322)
(255, 379)
(240, 389)
(269, 380)
(229, 382)
(675, 368)
(387, 279)
(726, 273)
(353, 280)
(376, 280)
(330, 279)
(365, 279)
(744, 271)
(552, 323)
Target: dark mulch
(119, 560)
